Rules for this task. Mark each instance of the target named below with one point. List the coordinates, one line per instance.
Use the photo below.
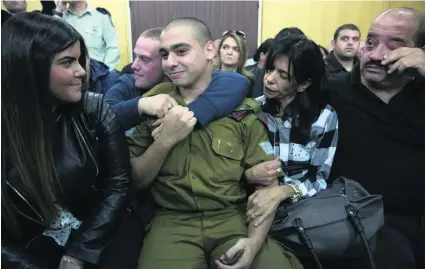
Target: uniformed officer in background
(96, 27)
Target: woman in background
(65, 162)
(232, 55)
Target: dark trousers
(123, 250)
(400, 245)
(126, 243)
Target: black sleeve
(5, 16)
(15, 257)
(88, 242)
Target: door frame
(260, 22)
(129, 32)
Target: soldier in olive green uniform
(198, 189)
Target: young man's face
(147, 63)
(184, 60)
(347, 44)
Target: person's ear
(210, 50)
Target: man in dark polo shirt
(346, 44)
(381, 111)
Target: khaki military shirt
(98, 33)
(203, 172)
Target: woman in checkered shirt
(303, 127)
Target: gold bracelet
(297, 192)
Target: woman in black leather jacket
(65, 162)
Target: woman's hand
(265, 174)
(68, 262)
(265, 201)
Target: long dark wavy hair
(29, 43)
(307, 64)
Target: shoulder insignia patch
(103, 11)
(240, 112)
(267, 147)
(238, 115)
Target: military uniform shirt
(203, 171)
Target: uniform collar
(88, 10)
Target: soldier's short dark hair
(201, 30)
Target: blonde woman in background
(232, 54)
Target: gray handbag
(339, 222)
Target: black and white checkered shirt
(308, 166)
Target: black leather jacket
(93, 167)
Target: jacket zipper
(88, 149)
(28, 203)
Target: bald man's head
(411, 15)
(392, 29)
(201, 32)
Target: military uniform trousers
(178, 240)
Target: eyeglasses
(238, 33)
